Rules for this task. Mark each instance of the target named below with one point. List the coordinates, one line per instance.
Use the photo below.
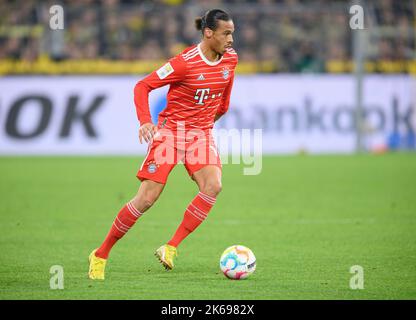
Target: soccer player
(200, 79)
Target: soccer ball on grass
(237, 262)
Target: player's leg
(206, 172)
(146, 196)
(153, 176)
(208, 180)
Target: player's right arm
(173, 71)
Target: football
(237, 262)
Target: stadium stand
(125, 36)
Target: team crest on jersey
(164, 71)
(225, 73)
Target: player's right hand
(146, 132)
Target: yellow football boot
(97, 267)
(166, 254)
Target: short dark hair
(210, 19)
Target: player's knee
(149, 198)
(145, 200)
(212, 188)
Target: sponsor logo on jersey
(164, 71)
(201, 77)
(225, 73)
(201, 95)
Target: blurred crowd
(290, 35)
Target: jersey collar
(210, 63)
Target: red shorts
(165, 152)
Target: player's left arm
(223, 108)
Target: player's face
(222, 37)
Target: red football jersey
(199, 89)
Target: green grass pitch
(308, 219)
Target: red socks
(196, 212)
(125, 219)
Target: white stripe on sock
(133, 210)
(208, 199)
